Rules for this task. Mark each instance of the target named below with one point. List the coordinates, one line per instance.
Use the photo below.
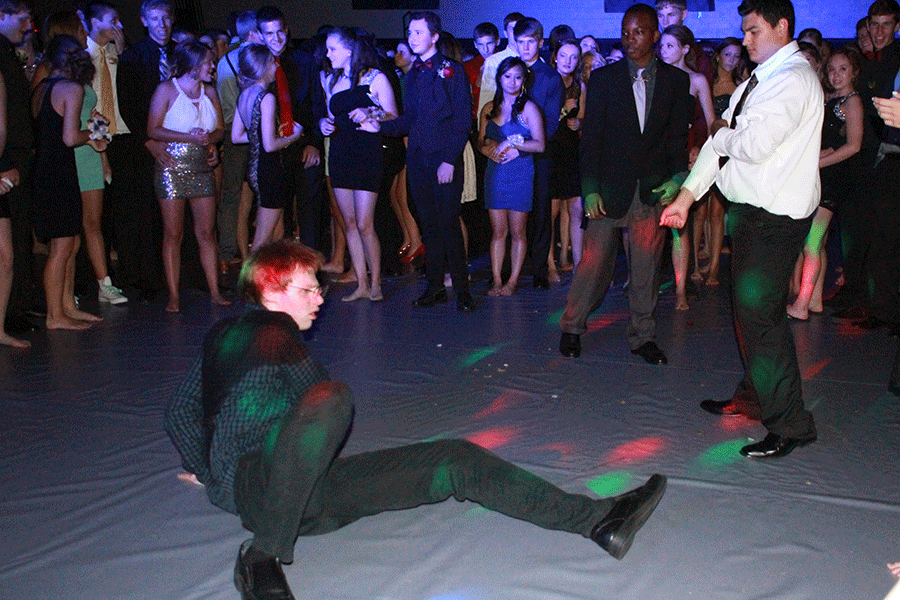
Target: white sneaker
(110, 293)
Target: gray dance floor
(91, 506)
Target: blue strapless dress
(511, 185)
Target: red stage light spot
(492, 439)
(636, 450)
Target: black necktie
(737, 110)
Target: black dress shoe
(774, 446)
(615, 532)
(725, 408)
(540, 282)
(258, 576)
(570, 345)
(465, 302)
(432, 297)
(650, 352)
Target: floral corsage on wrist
(516, 140)
(445, 70)
(98, 127)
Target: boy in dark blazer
(437, 118)
(627, 155)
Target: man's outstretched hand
(675, 215)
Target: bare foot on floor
(360, 292)
(8, 340)
(66, 323)
(348, 277)
(509, 289)
(80, 315)
(552, 277)
(681, 302)
(375, 294)
(173, 306)
(333, 268)
(712, 280)
(697, 277)
(495, 289)
(217, 299)
(800, 315)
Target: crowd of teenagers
(265, 138)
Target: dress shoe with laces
(724, 408)
(650, 352)
(570, 345)
(465, 302)
(431, 297)
(258, 576)
(615, 532)
(774, 446)
(540, 282)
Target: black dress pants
(437, 209)
(304, 210)
(764, 249)
(298, 485)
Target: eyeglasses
(316, 290)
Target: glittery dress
(839, 179)
(265, 173)
(191, 177)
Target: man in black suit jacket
(137, 216)
(625, 158)
(302, 160)
(547, 92)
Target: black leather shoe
(465, 302)
(430, 298)
(774, 446)
(724, 408)
(650, 352)
(260, 579)
(570, 345)
(540, 282)
(615, 532)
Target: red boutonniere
(446, 70)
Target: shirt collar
(649, 70)
(93, 47)
(774, 62)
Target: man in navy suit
(634, 143)
(547, 92)
(437, 118)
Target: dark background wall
(834, 18)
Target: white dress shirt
(489, 74)
(774, 146)
(112, 61)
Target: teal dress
(87, 160)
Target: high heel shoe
(402, 252)
(411, 256)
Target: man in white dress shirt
(764, 156)
(489, 72)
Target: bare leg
(345, 202)
(552, 274)
(576, 233)
(338, 239)
(92, 209)
(815, 301)
(811, 268)
(55, 284)
(701, 211)
(565, 231)
(364, 204)
(242, 235)
(6, 276)
(410, 227)
(517, 221)
(681, 254)
(268, 221)
(173, 231)
(204, 211)
(68, 297)
(716, 236)
(499, 229)
(398, 211)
